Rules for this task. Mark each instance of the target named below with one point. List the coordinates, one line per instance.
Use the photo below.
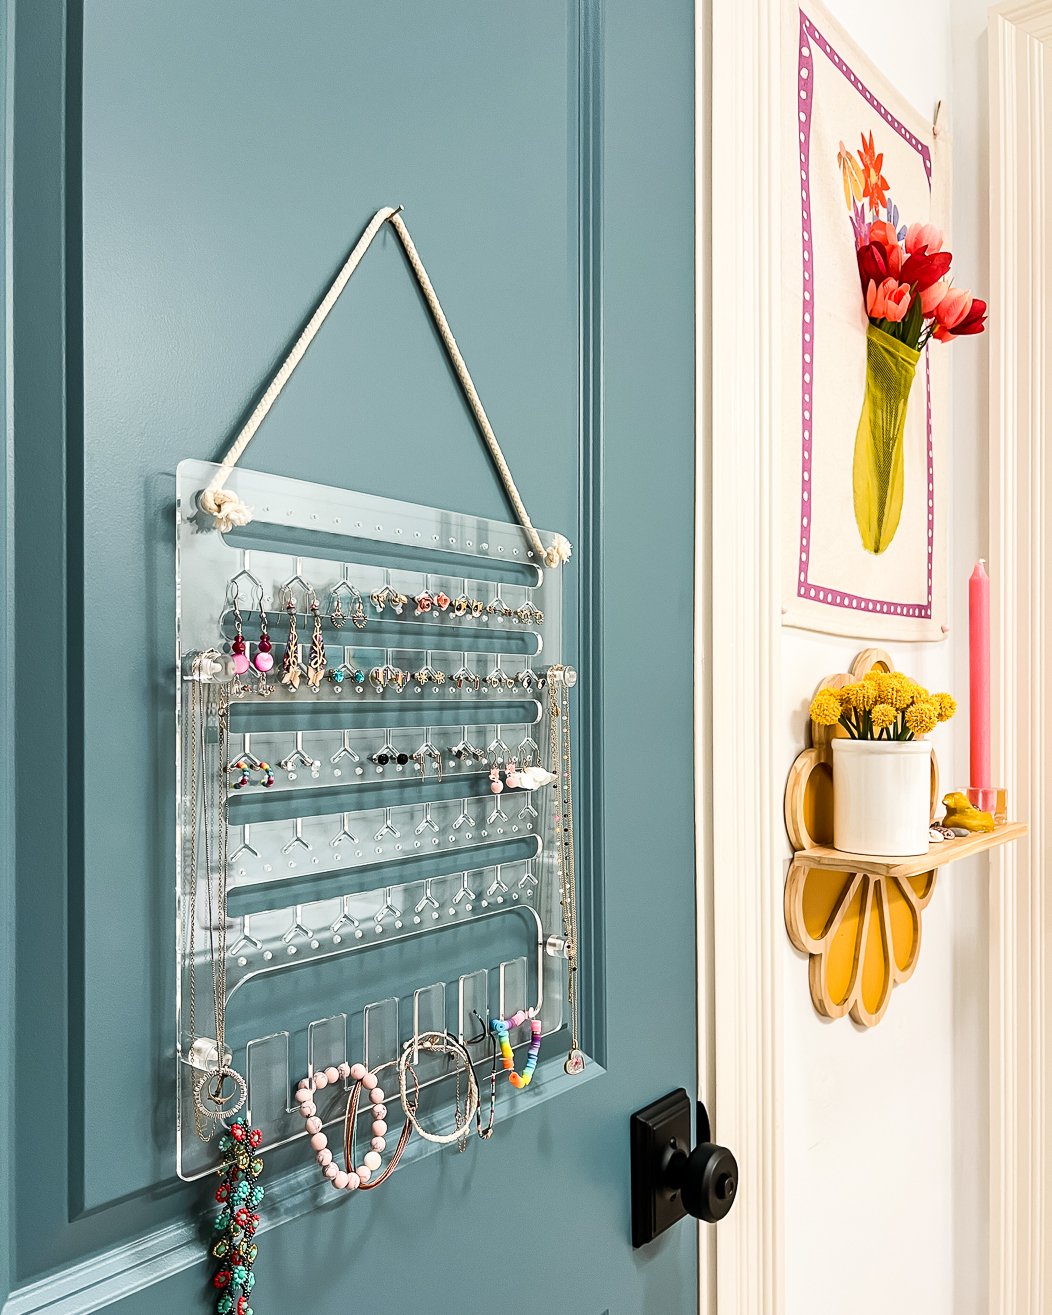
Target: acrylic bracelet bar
(500, 1028)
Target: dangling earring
(266, 775)
(242, 767)
(358, 617)
(292, 662)
(238, 650)
(316, 660)
(512, 774)
(264, 658)
(496, 785)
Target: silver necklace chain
(208, 841)
(561, 748)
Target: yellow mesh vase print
(877, 473)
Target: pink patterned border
(806, 588)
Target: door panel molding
(591, 613)
(1020, 53)
(7, 689)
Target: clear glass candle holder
(991, 799)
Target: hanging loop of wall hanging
(227, 508)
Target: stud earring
(338, 677)
(316, 660)
(423, 602)
(292, 661)
(263, 661)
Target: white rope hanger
(228, 509)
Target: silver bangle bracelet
(443, 1044)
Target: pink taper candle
(979, 673)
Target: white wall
(885, 1141)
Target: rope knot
(559, 551)
(226, 508)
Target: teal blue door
(183, 179)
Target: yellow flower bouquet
(882, 706)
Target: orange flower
(889, 301)
(874, 184)
(882, 232)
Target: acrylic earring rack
(379, 827)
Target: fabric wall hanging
(864, 502)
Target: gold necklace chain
(561, 750)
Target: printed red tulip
(872, 264)
(921, 270)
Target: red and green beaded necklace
(239, 1195)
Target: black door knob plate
(669, 1180)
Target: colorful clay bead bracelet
(500, 1028)
(371, 1161)
(439, 1043)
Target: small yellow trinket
(959, 812)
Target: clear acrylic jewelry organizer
(341, 871)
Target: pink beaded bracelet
(349, 1179)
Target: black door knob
(708, 1182)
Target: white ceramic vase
(881, 796)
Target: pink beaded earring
(263, 661)
(496, 785)
(238, 649)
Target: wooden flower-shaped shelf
(857, 916)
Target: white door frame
(738, 581)
(1020, 49)
(737, 599)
